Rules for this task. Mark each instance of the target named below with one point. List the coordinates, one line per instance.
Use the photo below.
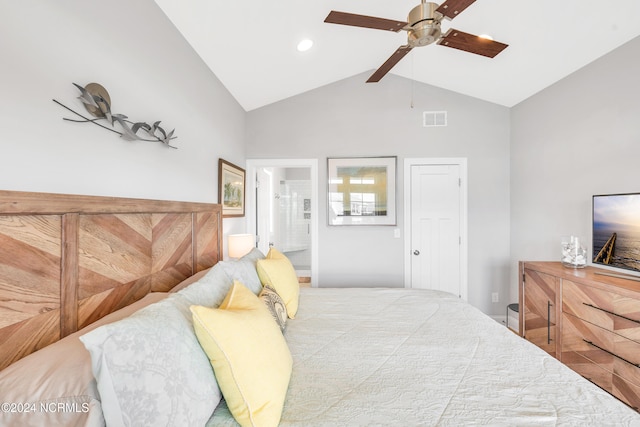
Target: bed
(114, 337)
(366, 357)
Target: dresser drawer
(608, 310)
(612, 352)
(627, 392)
(626, 320)
(576, 335)
(588, 303)
(591, 371)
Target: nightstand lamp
(240, 245)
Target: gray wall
(577, 138)
(151, 73)
(351, 118)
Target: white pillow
(151, 370)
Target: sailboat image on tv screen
(616, 230)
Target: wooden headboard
(68, 260)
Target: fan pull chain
(412, 78)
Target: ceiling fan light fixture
(424, 24)
(423, 28)
(304, 45)
(485, 36)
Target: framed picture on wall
(231, 189)
(361, 190)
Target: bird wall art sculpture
(97, 101)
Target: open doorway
(282, 210)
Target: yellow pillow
(249, 355)
(277, 271)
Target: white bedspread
(406, 357)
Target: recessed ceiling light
(305, 45)
(485, 36)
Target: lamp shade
(240, 244)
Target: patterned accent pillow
(275, 305)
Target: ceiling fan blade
(452, 8)
(389, 64)
(470, 43)
(364, 21)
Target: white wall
(151, 73)
(532, 169)
(351, 118)
(577, 138)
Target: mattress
(381, 357)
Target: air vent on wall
(434, 118)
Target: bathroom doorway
(282, 211)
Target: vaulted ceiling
(250, 45)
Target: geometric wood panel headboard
(68, 260)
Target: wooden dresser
(589, 321)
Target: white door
(436, 227)
(264, 208)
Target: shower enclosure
(284, 214)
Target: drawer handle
(548, 322)
(637, 365)
(611, 312)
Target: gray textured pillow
(151, 370)
(254, 255)
(275, 305)
(244, 270)
(210, 289)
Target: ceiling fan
(423, 28)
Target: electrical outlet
(495, 297)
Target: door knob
(416, 252)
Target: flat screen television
(616, 231)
